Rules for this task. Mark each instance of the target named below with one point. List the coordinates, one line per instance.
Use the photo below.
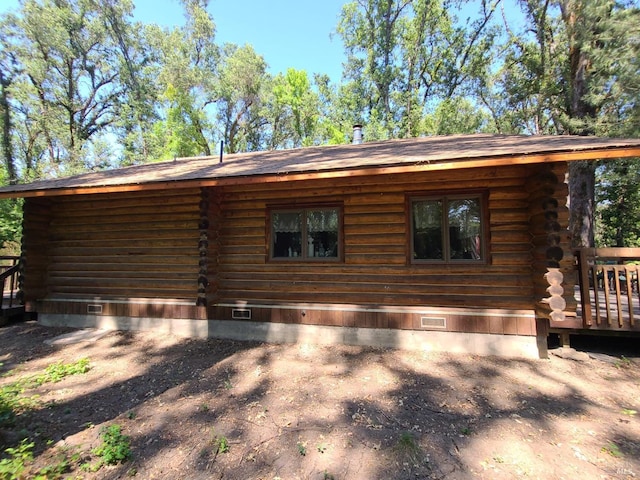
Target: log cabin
(451, 243)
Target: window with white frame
(447, 228)
(310, 233)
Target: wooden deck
(608, 292)
(10, 305)
(610, 311)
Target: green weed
(612, 449)
(14, 466)
(221, 443)
(115, 447)
(302, 449)
(623, 362)
(56, 372)
(12, 400)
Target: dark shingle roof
(455, 151)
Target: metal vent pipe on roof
(357, 134)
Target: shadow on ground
(339, 412)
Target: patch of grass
(115, 447)
(612, 449)
(407, 446)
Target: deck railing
(9, 278)
(608, 280)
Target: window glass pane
(427, 230)
(322, 233)
(464, 229)
(287, 234)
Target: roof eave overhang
(497, 161)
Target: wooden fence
(608, 282)
(9, 278)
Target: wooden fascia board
(498, 161)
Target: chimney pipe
(357, 134)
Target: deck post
(585, 298)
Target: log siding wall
(113, 246)
(201, 253)
(376, 271)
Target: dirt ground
(311, 412)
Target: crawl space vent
(433, 322)
(241, 314)
(94, 308)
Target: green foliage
(115, 447)
(9, 403)
(404, 58)
(623, 362)
(618, 204)
(612, 449)
(455, 115)
(12, 467)
(10, 221)
(298, 109)
(58, 371)
(221, 444)
(302, 448)
(58, 469)
(15, 465)
(12, 399)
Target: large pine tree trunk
(7, 151)
(582, 114)
(581, 203)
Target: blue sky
(287, 33)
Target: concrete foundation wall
(453, 342)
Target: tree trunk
(581, 203)
(7, 150)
